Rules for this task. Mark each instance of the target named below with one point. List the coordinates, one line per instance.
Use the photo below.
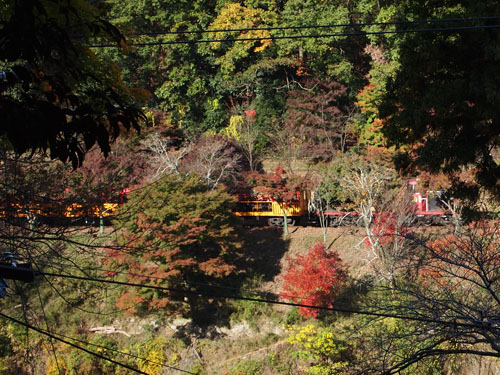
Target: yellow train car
(104, 210)
(12, 210)
(264, 210)
(58, 212)
(74, 210)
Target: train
(58, 212)
(62, 211)
(253, 209)
(428, 209)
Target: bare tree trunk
(285, 220)
(101, 223)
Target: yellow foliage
(152, 363)
(210, 132)
(150, 117)
(156, 355)
(233, 130)
(320, 346)
(235, 16)
(215, 103)
(54, 368)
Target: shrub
(319, 347)
(314, 279)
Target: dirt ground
(270, 249)
(347, 241)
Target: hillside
(270, 244)
(124, 173)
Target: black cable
(317, 36)
(188, 283)
(25, 316)
(31, 260)
(48, 329)
(184, 283)
(84, 270)
(74, 306)
(71, 344)
(96, 345)
(485, 325)
(332, 26)
(123, 353)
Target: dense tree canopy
(432, 94)
(180, 230)
(330, 89)
(442, 104)
(54, 93)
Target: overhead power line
(60, 337)
(124, 353)
(479, 324)
(109, 272)
(184, 283)
(151, 277)
(316, 36)
(46, 333)
(56, 336)
(328, 26)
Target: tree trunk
(101, 224)
(323, 223)
(285, 221)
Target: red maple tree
(314, 278)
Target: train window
(253, 207)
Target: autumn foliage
(176, 231)
(386, 229)
(457, 261)
(278, 185)
(314, 279)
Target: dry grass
(345, 240)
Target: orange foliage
(454, 261)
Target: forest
(168, 111)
